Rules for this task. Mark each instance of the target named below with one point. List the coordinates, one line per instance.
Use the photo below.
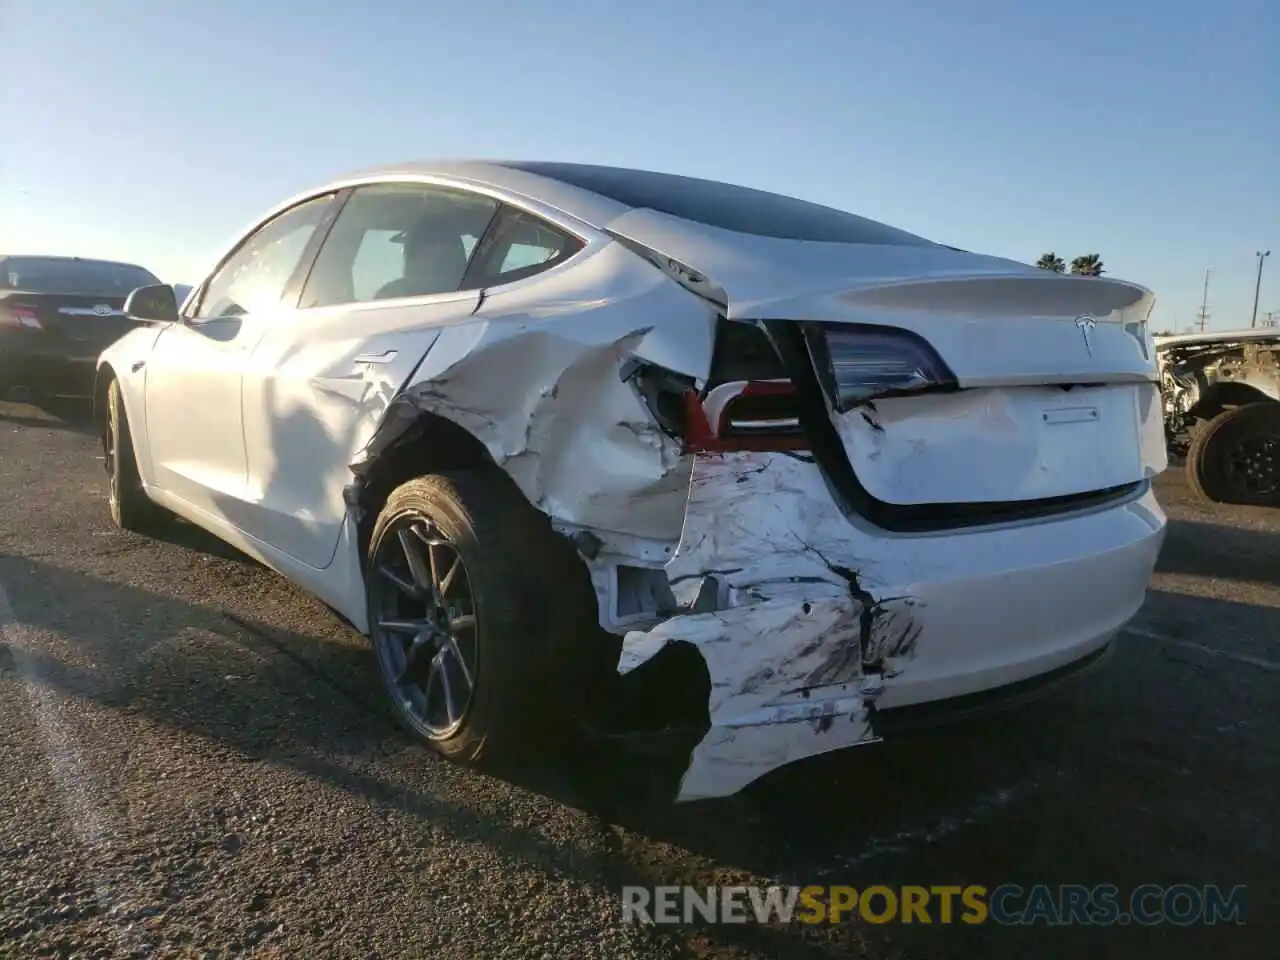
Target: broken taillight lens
(735, 415)
(862, 363)
(744, 415)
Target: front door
(193, 375)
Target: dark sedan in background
(56, 315)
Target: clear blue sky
(1147, 131)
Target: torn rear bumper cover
(821, 623)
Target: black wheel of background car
(1235, 457)
(461, 600)
(131, 508)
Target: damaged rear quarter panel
(536, 376)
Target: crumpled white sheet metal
(537, 378)
(786, 654)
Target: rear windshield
(56, 275)
(723, 205)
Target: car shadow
(1219, 551)
(182, 533)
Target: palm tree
(1090, 265)
(1052, 262)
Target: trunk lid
(1057, 394)
(1006, 445)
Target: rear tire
(503, 684)
(131, 508)
(1235, 457)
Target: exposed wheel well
(430, 445)
(435, 444)
(1222, 396)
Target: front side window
(398, 240)
(255, 276)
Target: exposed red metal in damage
(700, 436)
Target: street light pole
(1257, 287)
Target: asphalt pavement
(194, 761)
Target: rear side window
(519, 245)
(724, 205)
(398, 240)
(66, 275)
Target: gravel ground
(194, 762)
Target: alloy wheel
(424, 626)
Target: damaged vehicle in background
(1222, 412)
(545, 430)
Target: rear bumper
(824, 625)
(986, 703)
(1027, 600)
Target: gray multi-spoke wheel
(425, 629)
(475, 613)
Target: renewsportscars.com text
(1007, 904)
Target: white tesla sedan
(513, 420)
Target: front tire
(131, 508)
(461, 587)
(1235, 457)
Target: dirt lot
(193, 762)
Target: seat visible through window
(434, 260)
(398, 240)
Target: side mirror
(153, 304)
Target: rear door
(321, 376)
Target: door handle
(385, 357)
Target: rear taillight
(862, 363)
(22, 318)
(744, 415)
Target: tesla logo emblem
(102, 310)
(1085, 324)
